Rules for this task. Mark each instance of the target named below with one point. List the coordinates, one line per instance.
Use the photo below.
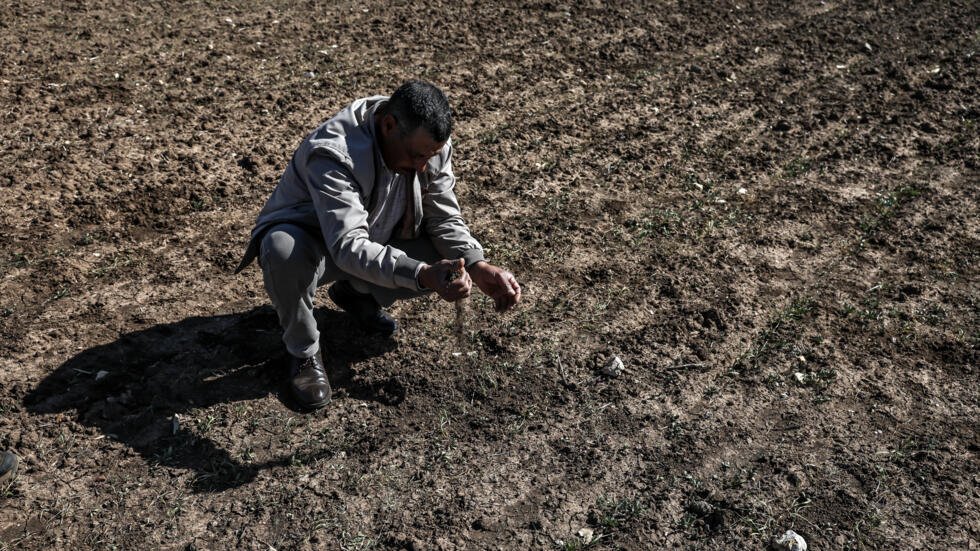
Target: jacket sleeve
(343, 221)
(442, 217)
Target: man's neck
(379, 141)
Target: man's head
(413, 126)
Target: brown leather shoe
(308, 381)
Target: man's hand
(497, 284)
(439, 278)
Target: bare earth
(770, 212)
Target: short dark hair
(420, 104)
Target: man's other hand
(496, 283)
(439, 278)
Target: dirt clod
(700, 508)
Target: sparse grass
(797, 167)
(88, 238)
(16, 260)
(660, 223)
(820, 379)
(116, 264)
(612, 513)
(494, 135)
(356, 542)
(573, 544)
(883, 210)
(780, 332)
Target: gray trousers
(295, 262)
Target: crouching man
(367, 203)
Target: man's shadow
(132, 388)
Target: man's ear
(388, 125)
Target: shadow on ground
(131, 389)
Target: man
(8, 467)
(367, 202)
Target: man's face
(406, 154)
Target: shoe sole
(317, 405)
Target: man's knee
(288, 247)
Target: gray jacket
(327, 188)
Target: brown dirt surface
(768, 210)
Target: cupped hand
(498, 284)
(440, 278)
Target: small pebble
(790, 541)
(800, 378)
(614, 368)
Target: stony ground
(768, 211)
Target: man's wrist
(418, 276)
(477, 266)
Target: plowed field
(767, 210)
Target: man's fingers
(504, 278)
(503, 301)
(516, 286)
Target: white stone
(790, 541)
(614, 368)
